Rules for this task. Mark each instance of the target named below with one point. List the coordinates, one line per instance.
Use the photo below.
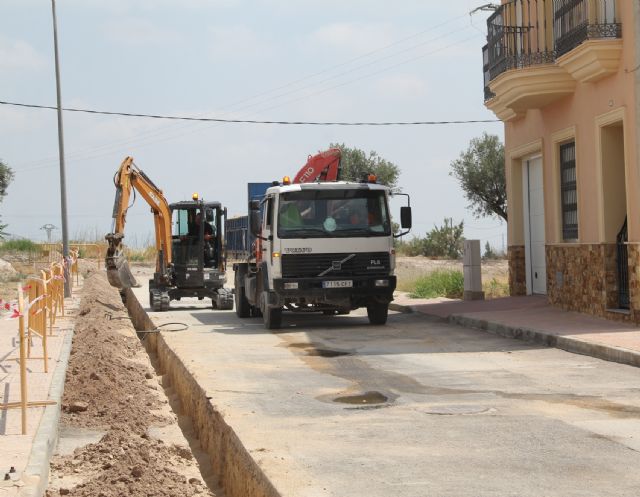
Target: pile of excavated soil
(111, 387)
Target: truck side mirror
(405, 218)
(208, 215)
(254, 217)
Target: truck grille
(312, 265)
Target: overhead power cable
(146, 138)
(250, 121)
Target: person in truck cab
(290, 216)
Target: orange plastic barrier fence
(40, 301)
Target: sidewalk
(533, 319)
(29, 454)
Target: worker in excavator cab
(210, 256)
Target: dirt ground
(112, 388)
(409, 269)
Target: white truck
(314, 247)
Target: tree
(6, 175)
(489, 253)
(445, 241)
(356, 164)
(480, 171)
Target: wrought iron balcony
(575, 21)
(516, 38)
(526, 33)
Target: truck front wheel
(243, 309)
(378, 313)
(271, 316)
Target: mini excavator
(190, 260)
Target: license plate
(337, 284)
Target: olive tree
(356, 164)
(6, 175)
(480, 171)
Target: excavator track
(223, 300)
(159, 301)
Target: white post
(472, 271)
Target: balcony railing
(516, 38)
(524, 33)
(575, 21)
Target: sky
(311, 60)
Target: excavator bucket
(118, 271)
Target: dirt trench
(138, 422)
(113, 394)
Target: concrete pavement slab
(432, 409)
(533, 318)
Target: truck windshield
(333, 213)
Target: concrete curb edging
(568, 344)
(36, 474)
(400, 308)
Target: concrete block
(472, 253)
(472, 278)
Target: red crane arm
(324, 166)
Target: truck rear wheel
(243, 309)
(378, 313)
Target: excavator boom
(129, 177)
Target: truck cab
(320, 247)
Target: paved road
(336, 407)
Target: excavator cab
(198, 265)
(196, 235)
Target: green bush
(411, 248)
(22, 245)
(445, 241)
(496, 288)
(441, 283)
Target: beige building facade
(563, 76)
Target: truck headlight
(381, 283)
(291, 286)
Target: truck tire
(271, 316)
(377, 313)
(243, 309)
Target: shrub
(21, 245)
(147, 254)
(441, 283)
(445, 241)
(411, 248)
(489, 253)
(496, 288)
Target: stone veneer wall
(583, 277)
(634, 280)
(517, 270)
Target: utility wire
(158, 132)
(251, 121)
